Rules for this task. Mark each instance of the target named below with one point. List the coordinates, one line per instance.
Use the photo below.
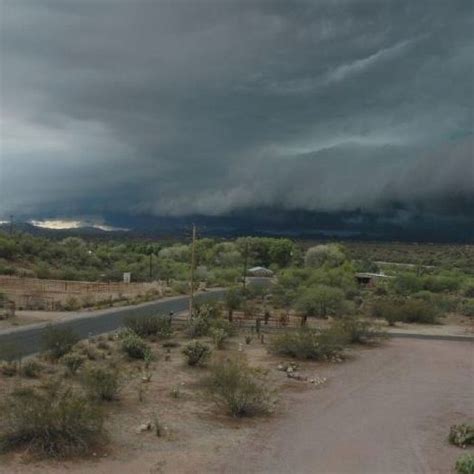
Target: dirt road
(386, 412)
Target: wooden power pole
(191, 274)
(246, 258)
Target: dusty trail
(386, 412)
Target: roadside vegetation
(229, 358)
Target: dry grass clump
(239, 388)
(309, 343)
(145, 326)
(102, 383)
(58, 341)
(196, 353)
(54, 421)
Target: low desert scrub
(465, 464)
(309, 343)
(359, 331)
(196, 353)
(51, 422)
(408, 310)
(58, 341)
(8, 368)
(461, 435)
(102, 383)
(146, 326)
(238, 387)
(219, 337)
(198, 326)
(134, 346)
(73, 362)
(31, 368)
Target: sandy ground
(388, 411)
(385, 410)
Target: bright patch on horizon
(60, 224)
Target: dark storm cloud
(207, 107)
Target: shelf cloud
(177, 108)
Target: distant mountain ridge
(272, 222)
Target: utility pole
(246, 257)
(191, 275)
(151, 266)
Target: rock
(289, 370)
(280, 367)
(144, 427)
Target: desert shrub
(358, 331)
(388, 310)
(198, 327)
(224, 325)
(419, 311)
(102, 383)
(53, 422)
(72, 304)
(465, 464)
(134, 345)
(469, 290)
(73, 362)
(467, 307)
(58, 341)
(219, 337)
(461, 435)
(31, 368)
(237, 386)
(439, 283)
(407, 283)
(146, 326)
(196, 353)
(309, 343)
(8, 368)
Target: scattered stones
(296, 376)
(284, 367)
(318, 380)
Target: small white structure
(260, 272)
(127, 277)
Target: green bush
(8, 368)
(53, 422)
(309, 343)
(31, 368)
(102, 383)
(467, 307)
(469, 290)
(461, 435)
(465, 464)
(414, 310)
(146, 326)
(219, 337)
(58, 341)
(418, 311)
(73, 362)
(198, 327)
(197, 353)
(358, 331)
(234, 384)
(134, 345)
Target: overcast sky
(211, 106)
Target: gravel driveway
(387, 411)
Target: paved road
(388, 411)
(27, 340)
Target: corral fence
(35, 293)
